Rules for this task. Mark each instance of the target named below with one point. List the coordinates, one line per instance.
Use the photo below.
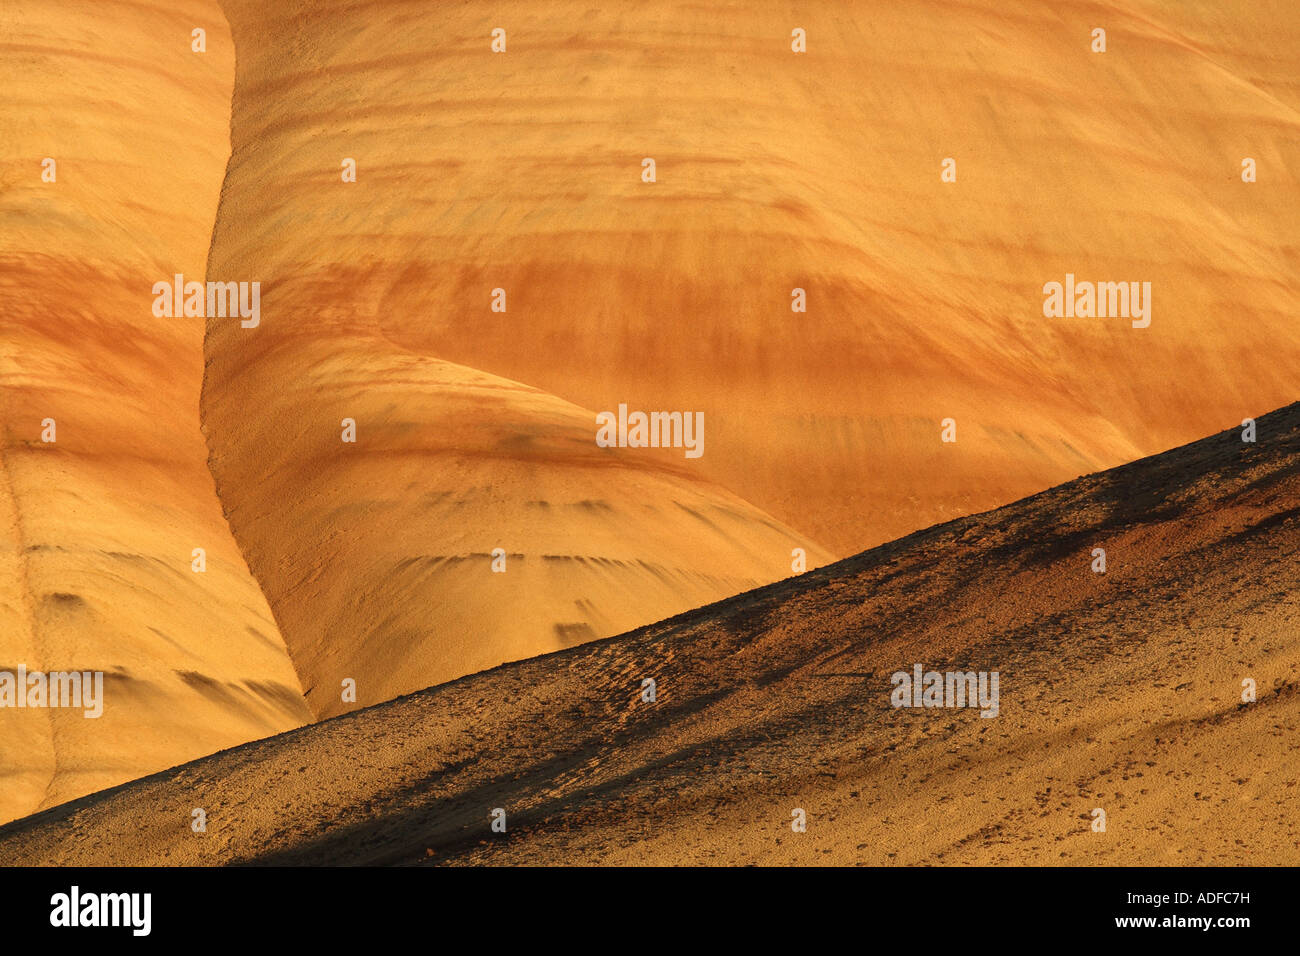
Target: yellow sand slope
(522, 171)
(98, 528)
(378, 555)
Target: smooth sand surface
(776, 170)
(98, 528)
(521, 171)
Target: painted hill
(98, 527)
(522, 172)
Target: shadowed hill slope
(1119, 691)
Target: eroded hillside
(1121, 691)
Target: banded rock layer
(98, 527)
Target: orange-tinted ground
(98, 528)
(775, 170)
(1119, 691)
(521, 171)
